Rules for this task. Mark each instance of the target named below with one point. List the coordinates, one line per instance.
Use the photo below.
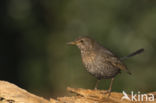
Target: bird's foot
(95, 88)
(107, 92)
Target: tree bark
(10, 93)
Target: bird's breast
(88, 58)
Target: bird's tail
(133, 54)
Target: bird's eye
(81, 41)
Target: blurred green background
(33, 37)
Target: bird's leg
(110, 88)
(96, 85)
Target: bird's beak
(71, 43)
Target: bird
(99, 61)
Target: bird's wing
(117, 63)
(110, 58)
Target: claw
(107, 92)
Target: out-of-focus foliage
(34, 33)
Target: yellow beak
(71, 43)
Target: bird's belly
(104, 71)
(98, 67)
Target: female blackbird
(99, 61)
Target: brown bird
(99, 61)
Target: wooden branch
(10, 93)
(96, 96)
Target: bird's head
(83, 43)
